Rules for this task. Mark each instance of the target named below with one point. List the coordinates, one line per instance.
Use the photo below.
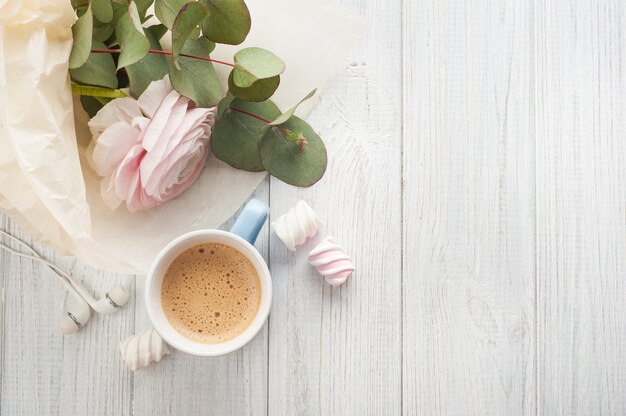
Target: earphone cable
(36, 257)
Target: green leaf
(103, 33)
(98, 70)
(256, 63)
(224, 104)
(195, 78)
(158, 31)
(235, 137)
(287, 115)
(243, 79)
(152, 67)
(91, 105)
(81, 33)
(167, 10)
(134, 44)
(118, 11)
(102, 10)
(186, 24)
(261, 90)
(228, 22)
(294, 163)
(142, 7)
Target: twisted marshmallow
(331, 261)
(296, 225)
(140, 350)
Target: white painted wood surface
(469, 247)
(581, 208)
(478, 179)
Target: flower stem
(239, 110)
(160, 52)
(100, 92)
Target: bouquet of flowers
(151, 146)
(172, 125)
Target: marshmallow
(140, 350)
(331, 261)
(296, 225)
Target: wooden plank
(581, 207)
(336, 351)
(44, 372)
(468, 260)
(181, 384)
(4, 223)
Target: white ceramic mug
(241, 237)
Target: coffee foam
(211, 293)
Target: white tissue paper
(46, 185)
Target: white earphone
(78, 315)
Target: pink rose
(149, 150)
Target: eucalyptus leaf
(167, 10)
(118, 11)
(186, 24)
(287, 115)
(102, 10)
(259, 63)
(195, 78)
(243, 79)
(81, 33)
(142, 7)
(133, 42)
(159, 31)
(99, 69)
(91, 105)
(294, 163)
(261, 90)
(225, 104)
(228, 21)
(235, 137)
(103, 33)
(152, 67)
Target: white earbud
(79, 312)
(76, 317)
(110, 303)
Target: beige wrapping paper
(45, 184)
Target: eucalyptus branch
(131, 58)
(157, 51)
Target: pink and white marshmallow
(331, 261)
(298, 224)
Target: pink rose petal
(150, 150)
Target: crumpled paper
(47, 187)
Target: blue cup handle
(251, 220)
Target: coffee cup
(241, 237)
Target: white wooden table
(477, 177)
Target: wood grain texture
(337, 351)
(45, 373)
(581, 207)
(468, 157)
(181, 384)
(477, 177)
